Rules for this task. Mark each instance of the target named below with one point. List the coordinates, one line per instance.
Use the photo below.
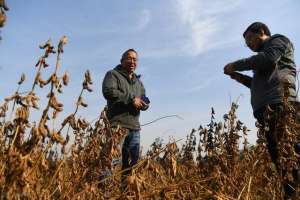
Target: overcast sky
(182, 45)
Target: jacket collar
(122, 71)
(269, 39)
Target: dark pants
(271, 133)
(130, 150)
(130, 156)
(272, 138)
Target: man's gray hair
(127, 51)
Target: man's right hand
(139, 103)
(229, 69)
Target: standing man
(273, 68)
(125, 95)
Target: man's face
(254, 40)
(129, 62)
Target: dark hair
(126, 53)
(256, 27)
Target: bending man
(273, 69)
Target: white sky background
(182, 44)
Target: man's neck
(130, 76)
(265, 37)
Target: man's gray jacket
(273, 67)
(119, 91)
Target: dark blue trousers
(130, 150)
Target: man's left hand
(229, 69)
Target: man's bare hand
(139, 103)
(229, 69)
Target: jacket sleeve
(144, 94)
(243, 79)
(265, 60)
(112, 93)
